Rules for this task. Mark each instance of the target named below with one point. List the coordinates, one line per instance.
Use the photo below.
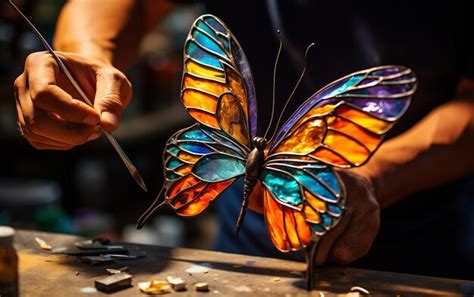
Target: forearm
(108, 30)
(437, 150)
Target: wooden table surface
(45, 274)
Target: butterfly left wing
(340, 126)
(217, 87)
(200, 163)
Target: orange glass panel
(193, 98)
(187, 195)
(370, 140)
(184, 169)
(204, 85)
(203, 71)
(232, 120)
(274, 220)
(256, 198)
(181, 184)
(202, 202)
(305, 138)
(318, 111)
(291, 229)
(365, 120)
(237, 86)
(329, 157)
(311, 215)
(184, 156)
(204, 118)
(303, 229)
(316, 203)
(347, 147)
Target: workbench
(45, 274)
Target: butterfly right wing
(199, 164)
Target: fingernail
(110, 118)
(91, 120)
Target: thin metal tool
(131, 168)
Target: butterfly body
(303, 198)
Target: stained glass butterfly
(340, 126)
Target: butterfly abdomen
(253, 167)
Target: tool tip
(139, 180)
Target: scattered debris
(276, 280)
(202, 287)
(115, 271)
(154, 287)
(176, 283)
(76, 273)
(360, 290)
(215, 291)
(237, 266)
(43, 245)
(243, 289)
(195, 269)
(321, 294)
(114, 282)
(88, 290)
(98, 244)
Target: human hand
(51, 113)
(352, 238)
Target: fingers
(46, 95)
(113, 93)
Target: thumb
(113, 93)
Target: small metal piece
(93, 252)
(202, 287)
(115, 271)
(93, 244)
(112, 283)
(177, 283)
(131, 168)
(360, 290)
(94, 260)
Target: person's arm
(94, 39)
(437, 150)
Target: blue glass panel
(310, 183)
(318, 228)
(195, 148)
(194, 134)
(173, 150)
(208, 43)
(326, 219)
(216, 167)
(334, 210)
(203, 57)
(201, 25)
(173, 163)
(215, 24)
(354, 80)
(328, 177)
(220, 139)
(170, 175)
(282, 186)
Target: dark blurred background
(87, 190)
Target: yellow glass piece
(347, 147)
(182, 155)
(204, 118)
(273, 218)
(305, 138)
(193, 98)
(329, 157)
(318, 111)
(232, 120)
(184, 169)
(237, 86)
(365, 120)
(370, 140)
(206, 72)
(315, 202)
(311, 215)
(204, 85)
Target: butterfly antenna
(294, 90)
(274, 82)
(155, 206)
